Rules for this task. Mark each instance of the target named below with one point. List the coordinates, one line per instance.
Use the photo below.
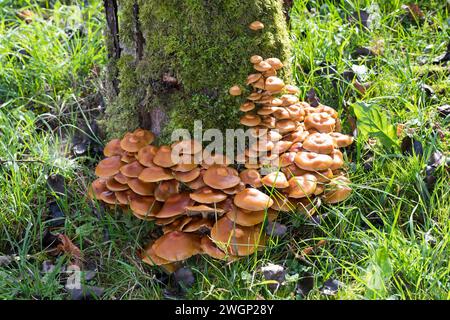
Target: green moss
(206, 45)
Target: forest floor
(381, 64)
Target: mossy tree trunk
(173, 61)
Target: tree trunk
(172, 62)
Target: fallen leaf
(275, 229)
(331, 287)
(312, 98)
(184, 277)
(68, 247)
(444, 110)
(411, 146)
(274, 272)
(305, 284)
(86, 293)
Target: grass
(390, 240)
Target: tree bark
(172, 62)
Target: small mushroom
(177, 246)
(338, 159)
(302, 186)
(108, 197)
(208, 247)
(155, 174)
(113, 185)
(163, 157)
(252, 199)
(187, 147)
(252, 78)
(237, 188)
(291, 89)
(341, 140)
(275, 179)
(97, 187)
(337, 190)
(274, 84)
(175, 205)
(262, 66)
(207, 195)
(250, 120)
(149, 256)
(256, 59)
(247, 106)
(275, 63)
(187, 176)
(285, 126)
(132, 170)
(113, 148)
(319, 143)
(256, 25)
(108, 167)
(221, 177)
(235, 90)
(123, 197)
(246, 218)
(198, 225)
(312, 161)
(144, 206)
(146, 154)
(321, 122)
(165, 189)
(133, 142)
(142, 188)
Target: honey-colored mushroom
(302, 186)
(221, 177)
(312, 161)
(108, 167)
(177, 246)
(256, 25)
(319, 143)
(252, 199)
(207, 195)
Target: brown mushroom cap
(251, 177)
(250, 120)
(163, 157)
(235, 90)
(177, 246)
(321, 122)
(149, 256)
(275, 63)
(262, 66)
(302, 186)
(198, 225)
(198, 182)
(252, 78)
(237, 240)
(319, 143)
(208, 247)
(123, 197)
(246, 218)
(256, 25)
(142, 188)
(247, 106)
(132, 170)
(133, 142)
(113, 185)
(128, 157)
(337, 190)
(155, 174)
(146, 154)
(256, 59)
(195, 209)
(285, 126)
(274, 83)
(177, 225)
(338, 159)
(341, 140)
(175, 205)
(113, 148)
(187, 176)
(97, 187)
(237, 188)
(165, 189)
(120, 178)
(221, 177)
(252, 199)
(145, 135)
(291, 89)
(108, 167)
(275, 179)
(144, 206)
(207, 195)
(312, 161)
(108, 197)
(282, 203)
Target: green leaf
(372, 122)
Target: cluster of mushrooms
(205, 203)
